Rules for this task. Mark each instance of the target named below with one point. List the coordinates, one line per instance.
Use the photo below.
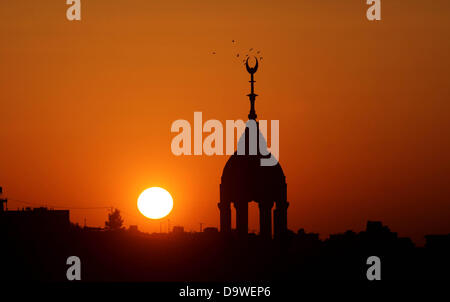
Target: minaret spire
(252, 96)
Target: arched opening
(233, 217)
(253, 217)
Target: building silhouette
(244, 180)
(27, 220)
(35, 220)
(37, 249)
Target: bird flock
(244, 54)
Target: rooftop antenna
(252, 96)
(3, 202)
(201, 226)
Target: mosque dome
(253, 174)
(245, 178)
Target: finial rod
(252, 96)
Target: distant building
(211, 230)
(438, 242)
(3, 201)
(376, 231)
(133, 229)
(93, 229)
(36, 220)
(178, 230)
(302, 235)
(377, 227)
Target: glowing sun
(155, 203)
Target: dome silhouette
(245, 179)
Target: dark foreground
(134, 256)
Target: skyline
(363, 108)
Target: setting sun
(155, 203)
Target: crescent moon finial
(253, 69)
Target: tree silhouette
(114, 221)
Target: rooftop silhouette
(34, 252)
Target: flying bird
(251, 49)
(237, 55)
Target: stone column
(265, 219)
(225, 216)
(280, 217)
(241, 217)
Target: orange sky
(86, 107)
